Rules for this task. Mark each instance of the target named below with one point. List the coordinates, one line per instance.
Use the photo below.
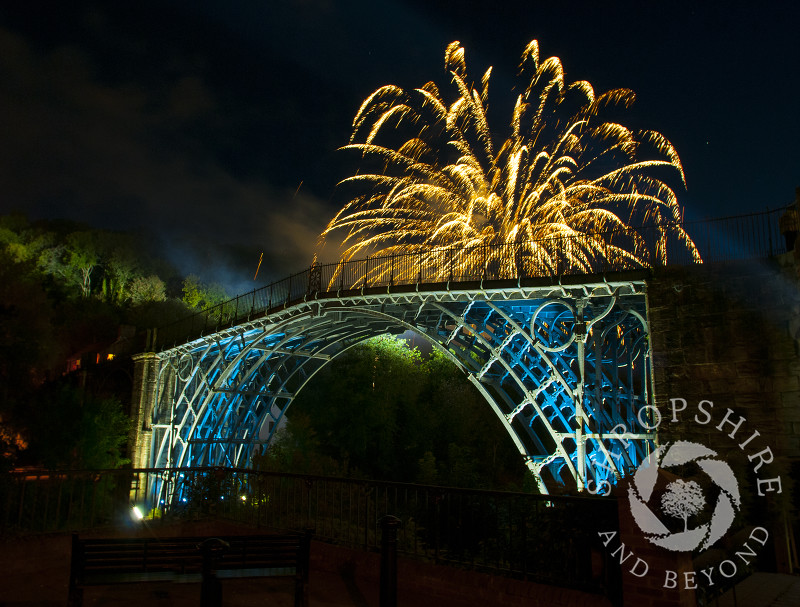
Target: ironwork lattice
(565, 369)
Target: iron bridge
(566, 368)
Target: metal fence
(544, 538)
(718, 240)
(41, 501)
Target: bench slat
(256, 572)
(107, 579)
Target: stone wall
(728, 335)
(648, 588)
(145, 376)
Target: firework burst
(569, 188)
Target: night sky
(213, 127)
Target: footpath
(34, 571)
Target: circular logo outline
(644, 481)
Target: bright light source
(244, 498)
(137, 514)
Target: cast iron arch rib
(566, 370)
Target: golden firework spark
(569, 188)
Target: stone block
(792, 448)
(752, 367)
(710, 371)
(674, 373)
(748, 384)
(782, 443)
(783, 348)
(666, 340)
(790, 367)
(784, 383)
(790, 414)
(752, 405)
(790, 399)
(737, 353)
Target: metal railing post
(388, 593)
(722, 239)
(450, 264)
(211, 587)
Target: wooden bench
(98, 562)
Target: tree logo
(683, 500)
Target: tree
(51, 262)
(120, 265)
(82, 257)
(71, 428)
(200, 296)
(385, 411)
(428, 474)
(144, 289)
(28, 345)
(103, 434)
(683, 500)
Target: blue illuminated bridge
(563, 360)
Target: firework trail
(570, 188)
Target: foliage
(145, 289)
(381, 410)
(296, 447)
(427, 470)
(82, 256)
(65, 290)
(27, 349)
(75, 261)
(76, 429)
(120, 268)
(384, 411)
(103, 434)
(200, 296)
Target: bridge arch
(566, 369)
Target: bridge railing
(550, 539)
(718, 240)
